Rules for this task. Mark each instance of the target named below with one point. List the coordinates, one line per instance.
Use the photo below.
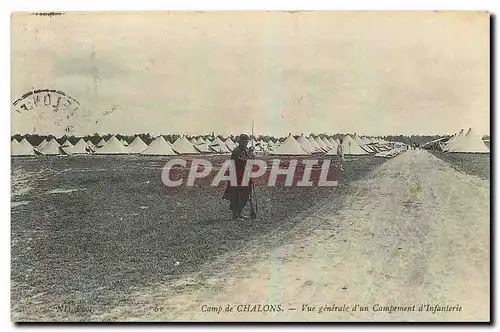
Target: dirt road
(414, 233)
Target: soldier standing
(239, 195)
(340, 154)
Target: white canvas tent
(218, 146)
(357, 139)
(436, 144)
(305, 144)
(81, 147)
(469, 143)
(365, 144)
(158, 147)
(327, 143)
(203, 148)
(332, 152)
(66, 146)
(39, 146)
(315, 144)
(51, 148)
(351, 147)
(113, 146)
(457, 137)
(91, 145)
(183, 146)
(332, 142)
(257, 145)
(321, 145)
(101, 143)
(371, 145)
(289, 147)
(22, 148)
(230, 144)
(66, 143)
(138, 145)
(217, 140)
(267, 146)
(452, 139)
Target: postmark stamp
(56, 100)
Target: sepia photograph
(250, 166)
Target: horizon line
(237, 134)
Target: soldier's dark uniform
(239, 195)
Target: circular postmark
(47, 107)
(46, 98)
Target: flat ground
(414, 232)
(477, 164)
(89, 232)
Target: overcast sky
(313, 72)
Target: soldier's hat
(243, 138)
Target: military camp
(250, 166)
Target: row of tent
(159, 146)
(461, 142)
(353, 145)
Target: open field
(89, 230)
(412, 234)
(477, 164)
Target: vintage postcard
(306, 166)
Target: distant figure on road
(340, 154)
(238, 195)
